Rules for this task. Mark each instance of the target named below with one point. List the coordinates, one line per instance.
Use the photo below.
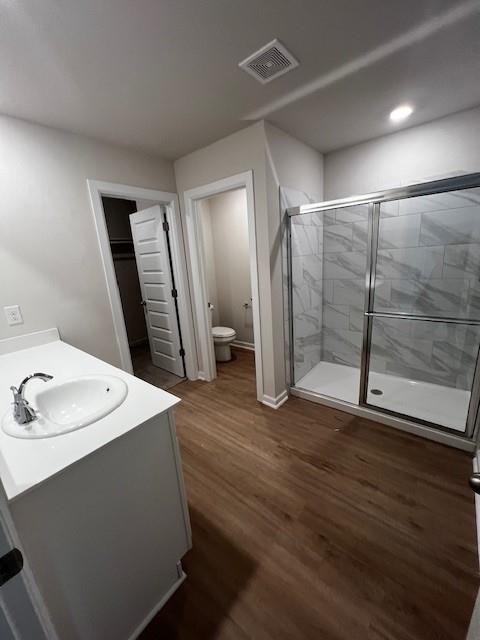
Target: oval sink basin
(67, 406)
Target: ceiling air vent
(269, 62)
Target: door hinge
(182, 352)
(166, 226)
(10, 564)
(174, 293)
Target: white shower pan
(434, 403)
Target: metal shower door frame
(374, 200)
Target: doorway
(220, 226)
(139, 241)
(142, 250)
(224, 225)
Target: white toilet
(222, 339)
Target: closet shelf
(121, 240)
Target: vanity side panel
(104, 536)
(181, 481)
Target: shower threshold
(438, 404)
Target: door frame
(97, 189)
(206, 353)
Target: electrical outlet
(13, 315)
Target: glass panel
(423, 369)
(428, 259)
(329, 251)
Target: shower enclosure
(384, 306)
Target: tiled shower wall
(428, 264)
(344, 266)
(307, 291)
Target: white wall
(444, 146)
(203, 207)
(291, 164)
(228, 261)
(49, 255)
(237, 153)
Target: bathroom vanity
(99, 510)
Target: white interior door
(153, 264)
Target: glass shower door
(423, 309)
(327, 290)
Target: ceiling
(163, 76)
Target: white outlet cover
(13, 315)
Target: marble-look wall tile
(462, 260)
(349, 292)
(360, 236)
(430, 352)
(328, 218)
(355, 213)
(304, 239)
(410, 263)
(389, 209)
(337, 237)
(344, 266)
(439, 201)
(307, 290)
(342, 344)
(429, 297)
(459, 226)
(307, 282)
(399, 232)
(336, 316)
(356, 319)
(328, 292)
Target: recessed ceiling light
(401, 113)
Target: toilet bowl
(222, 339)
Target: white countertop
(26, 463)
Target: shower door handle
(475, 482)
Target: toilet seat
(222, 332)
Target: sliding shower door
(328, 258)
(422, 335)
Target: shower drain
(376, 392)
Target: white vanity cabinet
(101, 516)
(106, 536)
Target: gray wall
(49, 254)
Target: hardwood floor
(309, 523)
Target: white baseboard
(275, 403)
(157, 607)
(240, 344)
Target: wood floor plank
(310, 523)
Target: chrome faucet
(22, 411)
